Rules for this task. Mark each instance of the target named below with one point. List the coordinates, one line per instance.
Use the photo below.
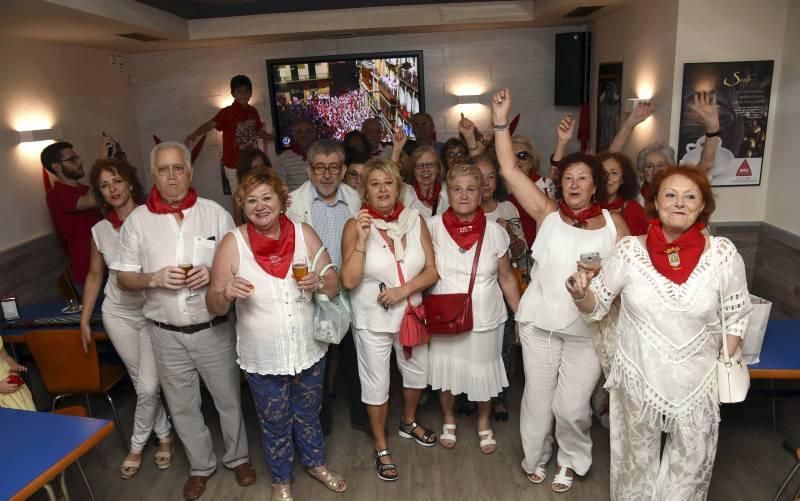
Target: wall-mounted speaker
(573, 68)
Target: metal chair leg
(62, 480)
(786, 482)
(51, 493)
(88, 404)
(55, 401)
(85, 480)
(102, 457)
(125, 444)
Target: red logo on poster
(744, 169)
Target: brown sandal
(130, 467)
(330, 479)
(163, 456)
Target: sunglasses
(523, 155)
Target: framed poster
(743, 93)
(609, 104)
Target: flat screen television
(337, 93)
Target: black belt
(191, 329)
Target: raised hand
(640, 113)
(363, 223)
(566, 128)
(399, 137)
(501, 105)
(466, 127)
(705, 106)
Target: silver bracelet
(500, 127)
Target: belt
(191, 329)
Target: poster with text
(743, 94)
(609, 104)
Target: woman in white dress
(663, 359)
(561, 365)
(115, 183)
(471, 362)
(382, 238)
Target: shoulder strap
(718, 266)
(475, 262)
(396, 262)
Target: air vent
(343, 34)
(141, 37)
(583, 11)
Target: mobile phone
(590, 257)
(381, 288)
(15, 379)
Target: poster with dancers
(609, 104)
(743, 91)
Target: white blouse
(668, 336)
(455, 268)
(444, 203)
(274, 331)
(117, 301)
(380, 267)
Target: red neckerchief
(644, 190)
(429, 199)
(157, 206)
(465, 233)
(273, 255)
(398, 208)
(616, 205)
(534, 175)
(114, 219)
(299, 151)
(581, 218)
(677, 259)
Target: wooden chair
(79, 411)
(67, 370)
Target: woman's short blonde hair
(257, 177)
(464, 168)
(536, 157)
(387, 167)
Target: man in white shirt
(326, 203)
(173, 231)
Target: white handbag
(733, 377)
(331, 315)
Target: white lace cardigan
(668, 336)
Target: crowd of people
(468, 231)
(334, 116)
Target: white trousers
(131, 338)
(373, 350)
(561, 371)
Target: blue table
(15, 332)
(780, 353)
(38, 446)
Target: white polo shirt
(151, 241)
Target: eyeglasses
(334, 169)
(523, 155)
(73, 159)
(658, 166)
(166, 170)
(425, 166)
(452, 155)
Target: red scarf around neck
(616, 205)
(157, 206)
(398, 208)
(581, 218)
(464, 233)
(428, 199)
(677, 259)
(644, 190)
(114, 219)
(273, 255)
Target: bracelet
(359, 250)
(474, 148)
(500, 127)
(713, 134)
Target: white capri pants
(374, 349)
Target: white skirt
(468, 363)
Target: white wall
(178, 90)
(642, 37)
(782, 205)
(43, 85)
(733, 30)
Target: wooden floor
(750, 462)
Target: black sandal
(383, 467)
(407, 431)
(499, 415)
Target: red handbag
(452, 313)
(412, 328)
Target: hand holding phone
(590, 258)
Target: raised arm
(639, 115)
(533, 200)
(205, 127)
(354, 248)
(467, 130)
(564, 133)
(705, 107)
(399, 140)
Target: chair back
(65, 368)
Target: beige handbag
(733, 378)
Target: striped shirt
(292, 169)
(328, 221)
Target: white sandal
(447, 436)
(561, 478)
(487, 440)
(163, 458)
(130, 467)
(540, 471)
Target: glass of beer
(193, 296)
(300, 270)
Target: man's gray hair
(165, 145)
(665, 150)
(323, 147)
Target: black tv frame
(333, 58)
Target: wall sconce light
(31, 136)
(469, 99)
(630, 104)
